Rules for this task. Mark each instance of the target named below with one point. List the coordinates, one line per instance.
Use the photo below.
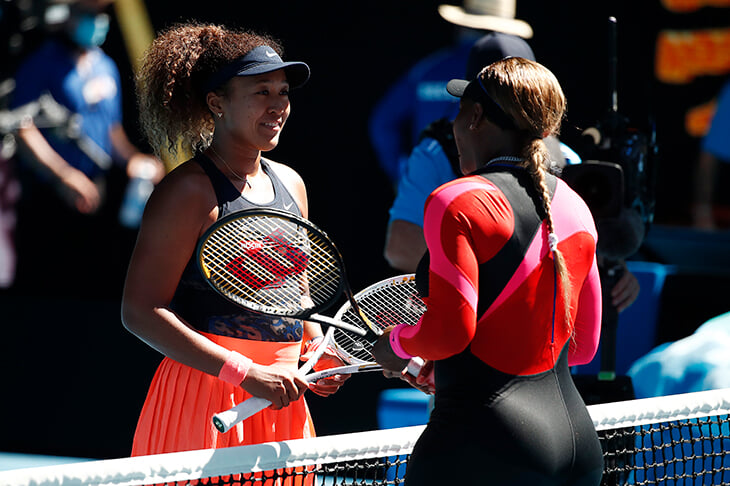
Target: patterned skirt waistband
(284, 354)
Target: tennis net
(673, 440)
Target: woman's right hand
(280, 386)
(385, 356)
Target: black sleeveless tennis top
(196, 301)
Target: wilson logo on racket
(274, 254)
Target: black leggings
(528, 430)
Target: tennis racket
(389, 302)
(276, 263)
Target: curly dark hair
(173, 112)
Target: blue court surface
(12, 460)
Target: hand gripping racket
(389, 302)
(273, 262)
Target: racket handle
(343, 370)
(415, 365)
(225, 421)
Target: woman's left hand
(327, 386)
(329, 359)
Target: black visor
(476, 91)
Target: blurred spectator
(694, 363)
(419, 97)
(19, 33)
(435, 161)
(68, 237)
(714, 149)
(9, 194)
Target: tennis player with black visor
(222, 95)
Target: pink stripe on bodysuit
(440, 263)
(568, 218)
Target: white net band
(646, 411)
(192, 465)
(677, 439)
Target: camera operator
(616, 182)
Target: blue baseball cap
(260, 60)
(493, 47)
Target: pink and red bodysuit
(496, 329)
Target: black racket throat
(368, 333)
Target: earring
(220, 115)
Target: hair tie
(553, 242)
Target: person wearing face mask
(65, 168)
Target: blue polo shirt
(90, 90)
(717, 140)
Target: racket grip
(414, 366)
(224, 421)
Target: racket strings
(386, 305)
(272, 263)
(244, 263)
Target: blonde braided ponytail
(532, 97)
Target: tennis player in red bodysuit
(513, 297)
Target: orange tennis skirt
(181, 402)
